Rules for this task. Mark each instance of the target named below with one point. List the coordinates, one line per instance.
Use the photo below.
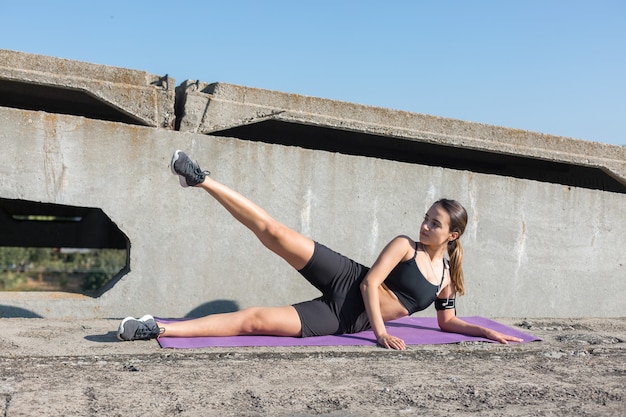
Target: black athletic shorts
(340, 309)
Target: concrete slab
(210, 108)
(37, 81)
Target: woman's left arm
(448, 322)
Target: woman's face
(435, 229)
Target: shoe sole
(181, 179)
(121, 329)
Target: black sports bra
(411, 287)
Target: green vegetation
(54, 269)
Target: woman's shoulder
(405, 240)
(406, 244)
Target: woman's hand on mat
(391, 342)
(500, 337)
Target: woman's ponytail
(455, 251)
(458, 221)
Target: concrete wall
(533, 248)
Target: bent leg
(269, 321)
(290, 245)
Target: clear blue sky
(556, 67)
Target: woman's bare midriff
(390, 307)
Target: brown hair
(458, 221)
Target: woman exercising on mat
(408, 276)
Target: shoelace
(199, 172)
(144, 330)
(193, 168)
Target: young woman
(408, 276)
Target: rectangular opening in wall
(51, 247)
(75, 270)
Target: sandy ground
(77, 368)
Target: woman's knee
(254, 321)
(273, 233)
(277, 321)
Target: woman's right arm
(391, 255)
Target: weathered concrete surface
(532, 249)
(147, 98)
(209, 108)
(78, 368)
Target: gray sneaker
(144, 328)
(189, 173)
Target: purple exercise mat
(414, 331)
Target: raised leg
(290, 245)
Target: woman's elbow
(442, 326)
(367, 288)
(445, 324)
